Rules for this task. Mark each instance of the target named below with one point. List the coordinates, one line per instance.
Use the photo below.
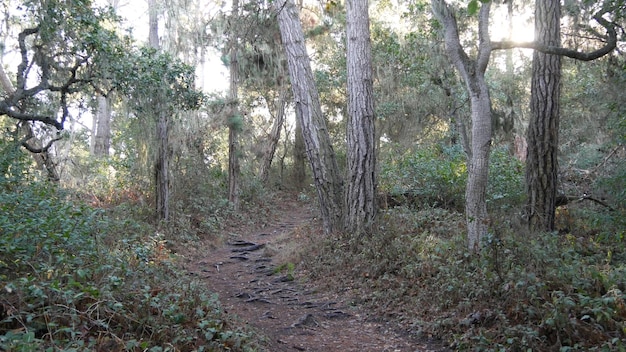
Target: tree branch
(71, 83)
(36, 150)
(455, 51)
(484, 48)
(611, 43)
(5, 109)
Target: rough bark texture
(543, 131)
(101, 133)
(161, 167)
(473, 73)
(234, 124)
(319, 150)
(360, 204)
(272, 142)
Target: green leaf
(472, 7)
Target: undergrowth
(436, 176)
(539, 293)
(74, 278)
(561, 291)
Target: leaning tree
(320, 152)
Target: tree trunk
(508, 125)
(360, 192)
(473, 73)
(153, 24)
(235, 118)
(272, 143)
(161, 167)
(101, 134)
(319, 150)
(543, 129)
(478, 166)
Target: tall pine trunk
(235, 118)
(321, 155)
(359, 207)
(543, 129)
(161, 167)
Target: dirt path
(292, 315)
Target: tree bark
(153, 24)
(272, 142)
(360, 191)
(235, 118)
(319, 150)
(543, 131)
(161, 168)
(473, 73)
(101, 134)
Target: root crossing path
(293, 316)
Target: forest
(312, 175)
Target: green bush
(539, 293)
(433, 176)
(437, 175)
(72, 278)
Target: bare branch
(484, 49)
(455, 51)
(36, 150)
(611, 43)
(11, 106)
(5, 109)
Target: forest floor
(249, 272)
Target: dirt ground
(291, 313)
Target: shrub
(436, 176)
(429, 176)
(540, 293)
(74, 278)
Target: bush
(75, 279)
(437, 175)
(433, 176)
(539, 293)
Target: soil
(290, 311)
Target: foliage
(75, 278)
(64, 48)
(436, 176)
(472, 6)
(431, 176)
(156, 81)
(539, 293)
